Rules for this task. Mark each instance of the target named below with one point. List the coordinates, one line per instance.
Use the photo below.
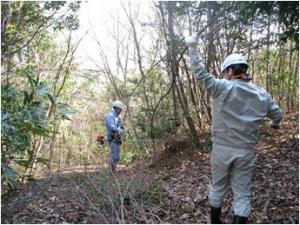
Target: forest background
(60, 77)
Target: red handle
(100, 138)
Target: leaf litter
(183, 176)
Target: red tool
(100, 139)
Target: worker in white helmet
(238, 108)
(114, 130)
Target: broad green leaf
(42, 160)
(22, 162)
(43, 89)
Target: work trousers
(232, 166)
(114, 152)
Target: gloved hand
(191, 41)
(121, 131)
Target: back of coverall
(238, 108)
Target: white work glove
(191, 41)
(121, 131)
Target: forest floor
(169, 187)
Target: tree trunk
(172, 56)
(268, 56)
(32, 160)
(51, 149)
(193, 97)
(185, 108)
(174, 65)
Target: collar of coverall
(245, 77)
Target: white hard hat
(118, 104)
(233, 59)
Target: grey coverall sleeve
(212, 85)
(274, 112)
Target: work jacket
(113, 124)
(238, 107)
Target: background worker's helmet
(119, 104)
(233, 59)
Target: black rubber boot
(239, 219)
(215, 214)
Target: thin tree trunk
(290, 77)
(185, 108)
(51, 149)
(171, 52)
(268, 55)
(32, 162)
(139, 58)
(193, 97)
(174, 65)
(56, 92)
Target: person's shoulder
(225, 84)
(259, 88)
(110, 114)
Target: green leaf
(31, 80)
(51, 97)
(29, 152)
(8, 170)
(64, 110)
(36, 104)
(11, 27)
(43, 89)
(22, 162)
(4, 116)
(35, 129)
(27, 97)
(40, 131)
(9, 176)
(42, 160)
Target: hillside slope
(170, 187)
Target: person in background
(238, 108)
(114, 130)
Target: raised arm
(212, 85)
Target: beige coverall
(238, 108)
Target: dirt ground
(183, 175)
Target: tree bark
(51, 148)
(174, 65)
